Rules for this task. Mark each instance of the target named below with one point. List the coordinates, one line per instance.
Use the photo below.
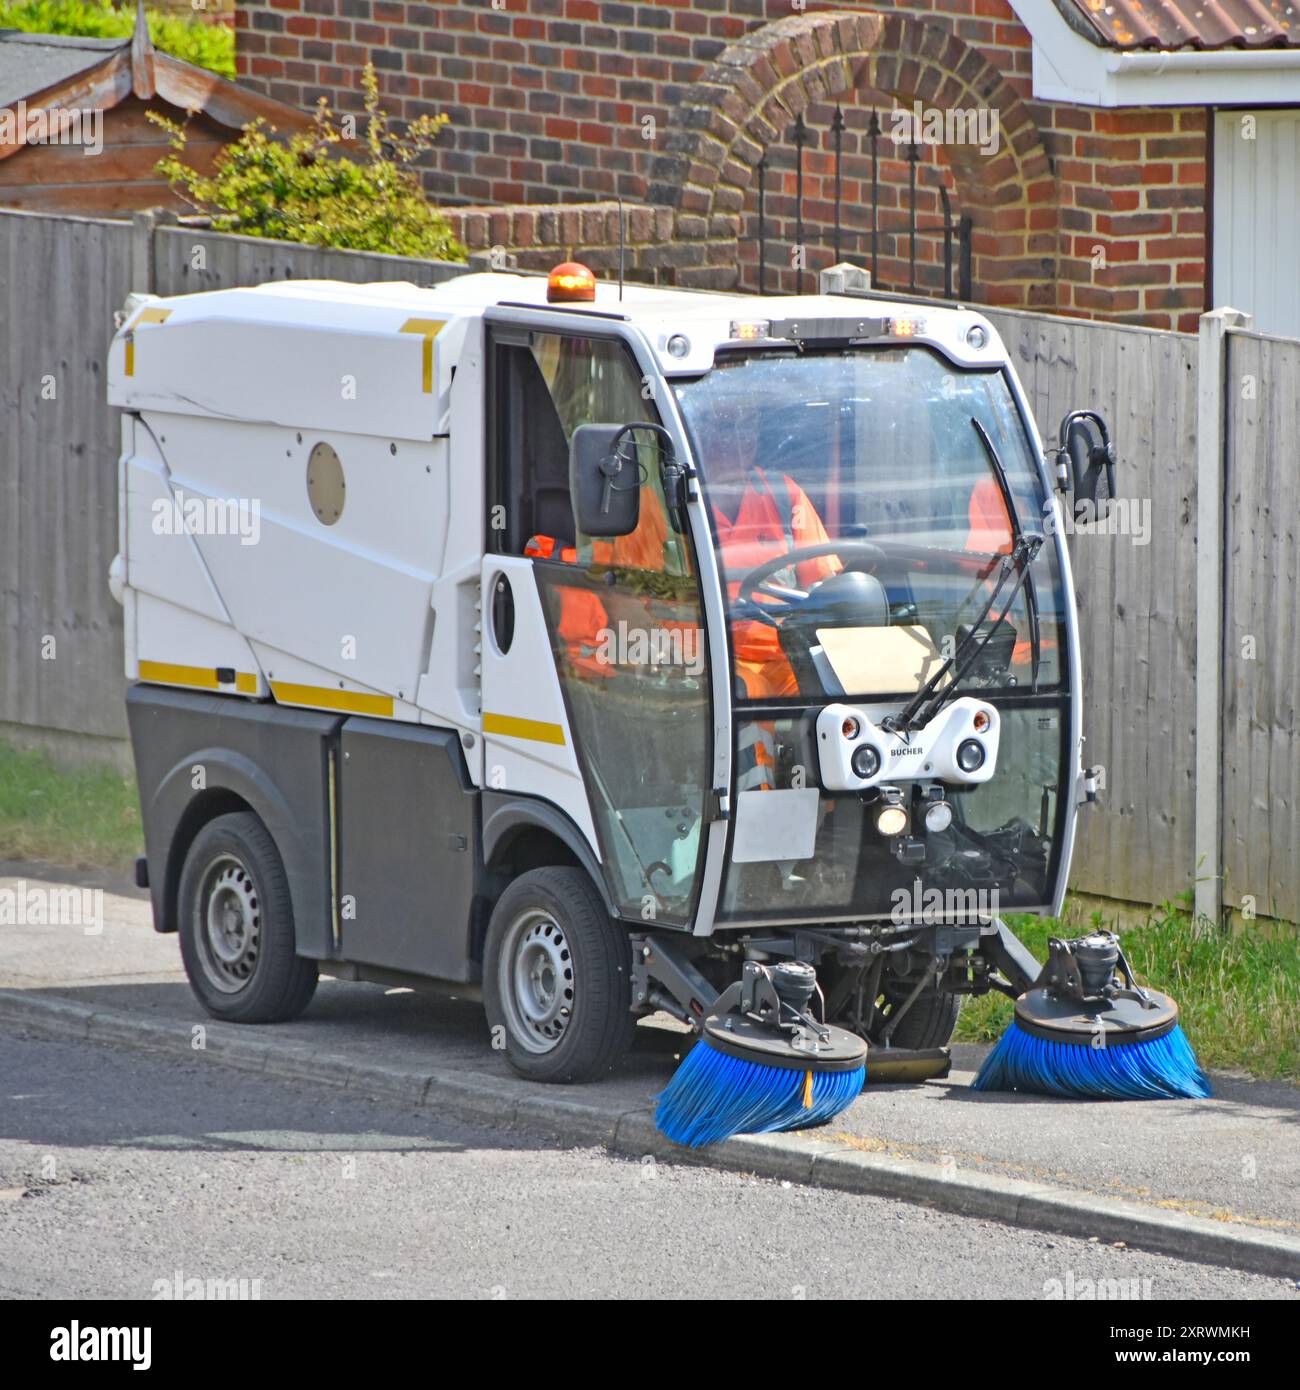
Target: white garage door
(1257, 217)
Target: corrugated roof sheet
(1169, 25)
(30, 63)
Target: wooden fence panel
(1136, 591)
(187, 261)
(61, 281)
(1261, 662)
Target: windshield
(861, 523)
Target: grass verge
(1239, 992)
(86, 818)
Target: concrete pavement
(1210, 1179)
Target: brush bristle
(1163, 1069)
(713, 1096)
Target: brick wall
(563, 101)
(658, 245)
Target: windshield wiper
(929, 700)
(917, 713)
(1031, 596)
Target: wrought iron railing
(955, 231)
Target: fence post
(142, 227)
(1211, 537)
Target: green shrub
(210, 46)
(306, 189)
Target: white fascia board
(1067, 67)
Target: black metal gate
(956, 232)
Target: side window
(530, 458)
(550, 387)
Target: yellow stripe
(322, 697)
(144, 316)
(429, 330)
(534, 729)
(205, 677)
(807, 1090)
(200, 677)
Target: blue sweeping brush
(762, 1064)
(1087, 1031)
(1161, 1068)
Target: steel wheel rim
(229, 924)
(536, 977)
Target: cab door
(595, 669)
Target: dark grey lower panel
(198, 755)
(409, 850)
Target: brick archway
(749, 97)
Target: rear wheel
(557, 978)
(236, 925)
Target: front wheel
(557, 978)
(929, 1023)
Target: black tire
(236, 925)
(930, 1022)
(569, 1018)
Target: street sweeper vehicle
(615, 651)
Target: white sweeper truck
(612, 650)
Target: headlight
(866, 760)
(891, 821)
(938, 816)
(970, 755)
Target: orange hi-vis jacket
(583, 617)
(762, 529)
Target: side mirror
(1085, 464)
(605, 477)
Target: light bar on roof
(842, 329)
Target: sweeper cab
(607, 649)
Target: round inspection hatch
(326, 489)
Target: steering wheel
(756, 581)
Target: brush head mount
(1087, 995)
(751, 1040)
(764, 1018)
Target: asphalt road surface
(121, 1173)
(1232, 1159)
